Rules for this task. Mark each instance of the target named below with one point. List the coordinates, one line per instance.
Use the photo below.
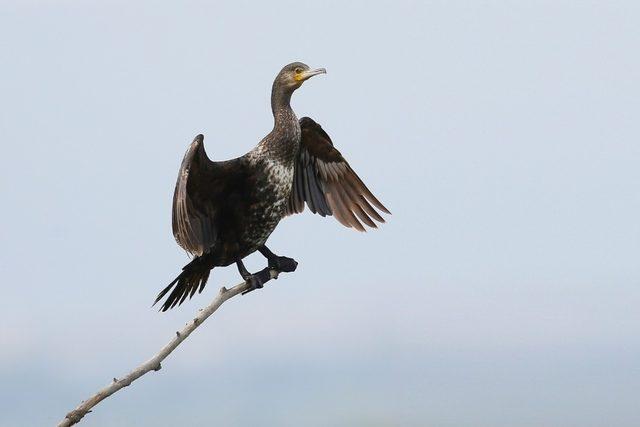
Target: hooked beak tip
(311, 73)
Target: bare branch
(154, 364)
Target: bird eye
(298, 70)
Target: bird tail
(194, 277)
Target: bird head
(293, 75)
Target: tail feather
(193, 278)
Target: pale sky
(504, 136)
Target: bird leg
(256, 280)
(279, 263)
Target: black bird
(224, 211)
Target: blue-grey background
(504, 136)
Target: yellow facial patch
(298, 75)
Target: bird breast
(275, 156)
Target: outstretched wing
(194, 200)
(325, 181)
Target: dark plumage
(224, 211)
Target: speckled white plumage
(275, 157)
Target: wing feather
(199, 194)
(329, 186)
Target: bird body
(224, 211)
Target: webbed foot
(283, 263)
(280, 263)
(257, 280)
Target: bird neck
(284, 139)
(281, 105)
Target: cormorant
(224, 211)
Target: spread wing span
(192, 218)
(200, 194)
(326, 183)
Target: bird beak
(310, 73)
